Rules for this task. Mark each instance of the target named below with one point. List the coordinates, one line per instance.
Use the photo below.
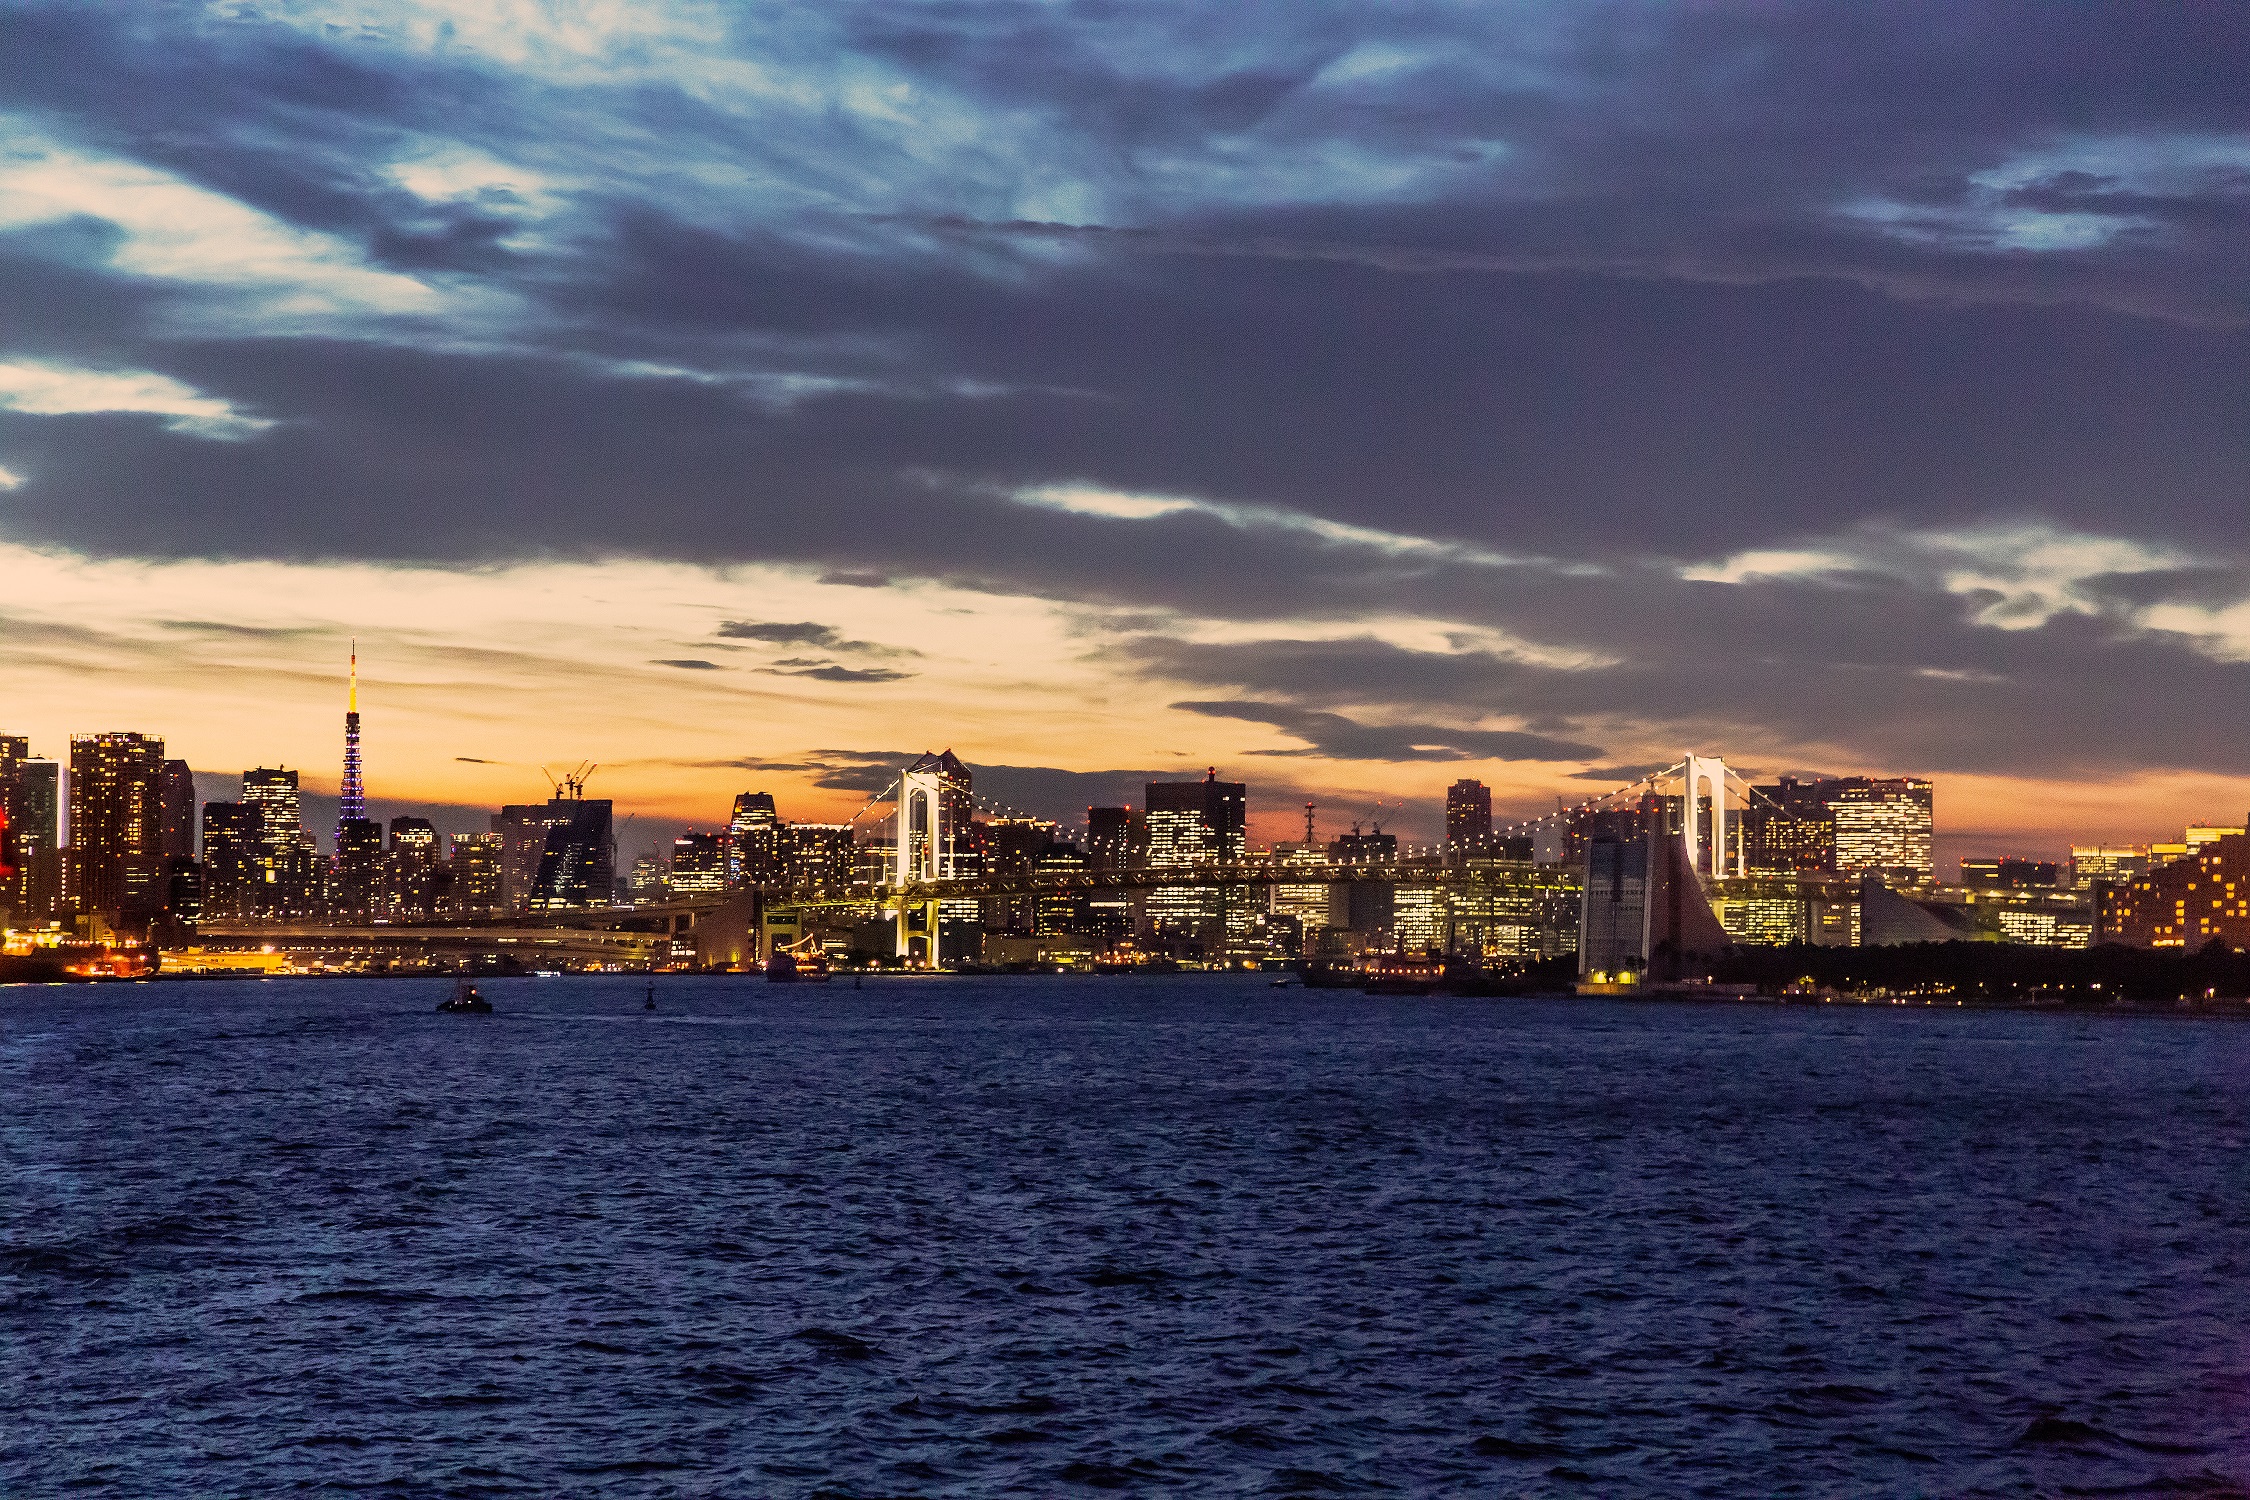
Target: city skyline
(1355, 401)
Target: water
(971, 1237)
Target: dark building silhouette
(1468, 820)
(359, 868)
(231, 832)
(2008, 874)
(179, 810)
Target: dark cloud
(831, 672)
(690, 663)
(1340, 738)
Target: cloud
(1337, 737)
(691, 664)
(830, 672)
(803, 633)
(55, 390)
(174, 230)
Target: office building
(1788, 830)
(1468, 820)
(1883, 827)
(699, 864)
(2095, 864)
(1195, 823)
(116, 799)
(1113, 838)
(1843, 825)
(1368, 907)
(522, 829)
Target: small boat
(465, 1001)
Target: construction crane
(571, 784)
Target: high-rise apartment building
(1468, 820)
(414, 871)
(473, 894)
(116, 822)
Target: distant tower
(351, 802)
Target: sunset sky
(1351, 397)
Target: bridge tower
(925, 847)
(1697, 772)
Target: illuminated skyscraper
(116, 821)
(276, 889)
(351, 801)
(1193, 823)
(753, 847)
(1883, 827)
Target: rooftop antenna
(1308, 825)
